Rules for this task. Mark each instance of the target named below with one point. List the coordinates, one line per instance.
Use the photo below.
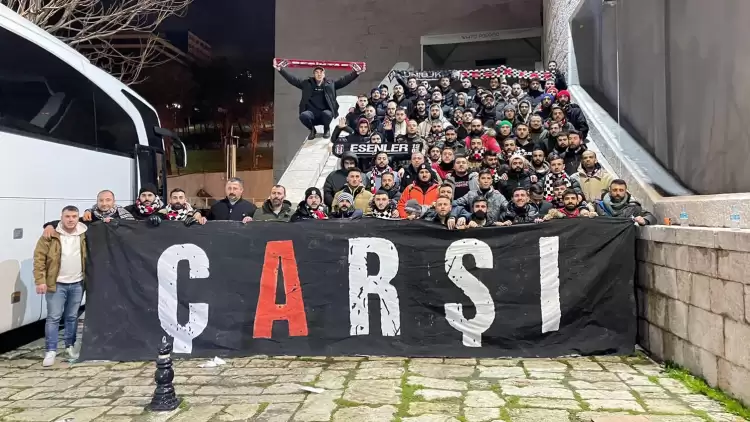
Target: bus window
(42, 96)
(115, 130)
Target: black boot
(312, 135)
(327, 133)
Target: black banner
(366, 287)
(402, 150)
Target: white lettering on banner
(375, 148)
(479, 294)
(549, 280)
(361, 284)
(198, 312)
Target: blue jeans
(62, 304)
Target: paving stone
(21, 382)
(608, 359)
(277, 412)
(592, 416)
(427, 394)
(284, 388)
(272, 363)
(585, 385)
(442, 371)
(306, 364)
(28, 393)
(267, 398)
(386, 358)
(631, 418)
(210, 390)
(194, 400)
(87, 414)
(147, 390)
(23, 404)
(201, 413)
(723, 417)
(104, 391)
(700, 402)
(615, 405)
(348, 358)
(665, 418)
(654, 395)
(364, 414)
(653, 388)
(593, 376)
(605, 394)
(527, 382)
(547, 375)
(635, 379)
(666, 406)
(385, 364)
(545, 365)
(318, 407)
(373, 391)
(421, 407)
(648, 369)
(549, 403)
(460, 361)
(584, 365)
(480, 384)
(673, 386)
(332, 380)
(425, 360)
(483, 399)
(90, 402)
(438, 384)
(546, 392)
(6, 392)
(499, 362)
(238, 412)
(429, 418)
(296, 378)
(126, 410)
(501, 372)
(618, 367)
(538, 415)
(131, 401)
(41, 415)
(342, 366)
(130, 381)
(381, 373)
(230, 381)
(480, 414)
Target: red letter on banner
(268, 311)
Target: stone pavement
(360, 389)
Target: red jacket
(490, 143)
(440, 172)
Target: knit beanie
(505, 123)
(148, 187)
(412, 206)
(345, 196)
(313, 191)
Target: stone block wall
(693, 289)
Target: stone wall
(693, 289)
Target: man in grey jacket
(496, 202)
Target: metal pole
(421, 57)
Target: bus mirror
(180, 152)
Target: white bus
(67, 130)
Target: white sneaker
(71, 351)
(49, 358)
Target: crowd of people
(511, 153)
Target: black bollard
(165, 399)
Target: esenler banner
(368, 287)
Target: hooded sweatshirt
(71, 265)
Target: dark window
(42, 96)
(115, 129)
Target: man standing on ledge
(318, 105)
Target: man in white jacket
(59, 269)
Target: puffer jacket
(336, 180)
(361, 196)
(303, 213)
(517, 215)
(496, 203)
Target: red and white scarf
(327, 64)
(376, 174)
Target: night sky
(240, 29)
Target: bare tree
(91, 26)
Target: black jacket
(515, 180)
(576, 118)
(224, 210)
(329, 89)
(303, 213)
(449, 97)
(336, 180)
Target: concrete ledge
(700, 237)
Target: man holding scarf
(383, 207)
(312, 208)
(179, 209)
(106, 209)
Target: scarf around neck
(376, 174)
(317, 213)
(149, 209)
(116, 212)
(386, 213)
(477, 154)
(178, 215)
